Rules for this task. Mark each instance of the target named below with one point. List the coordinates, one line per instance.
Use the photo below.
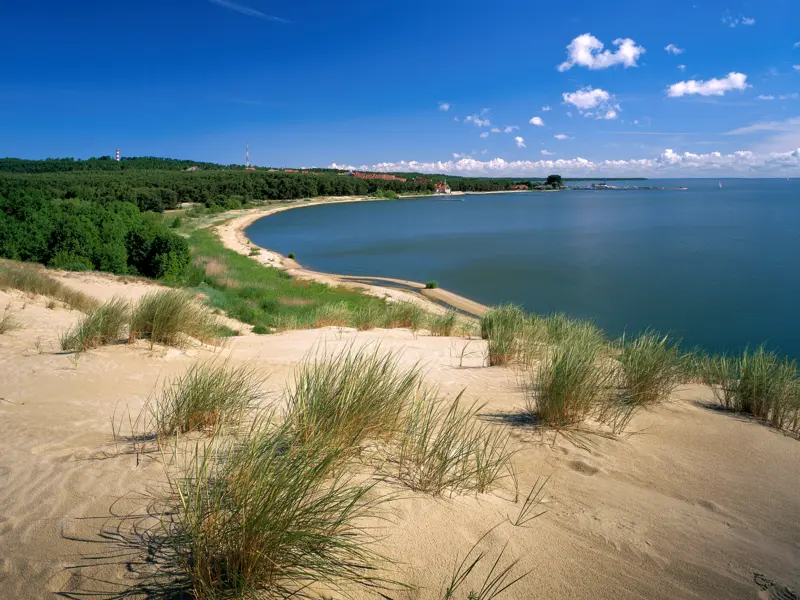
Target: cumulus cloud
(546, 153)
(593, 103)
(536, 121)
(561, 136)
(673, 49)
(682, 67)
(478, 119)
(587, 51)
(520, 142)
(510, 128)
(485, 134)
(495, 130)
(444, 106)
(546, 108)
(668, 163)
(712, 87)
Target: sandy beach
(696, 504)
(232, 234)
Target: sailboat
(720, 184)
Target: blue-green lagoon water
(717, 267)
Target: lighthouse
(117, 154)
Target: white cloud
(485, 134)
(792, 96)
(796, 67)
(246, 10)
(455, 155)
(787, 125)
(444, 106)
(797, 44)
(569, 114)
(546, 153)
(636, 121)
(682, 67)
(520, 142)
(767, 97)
(510, 128)
(456, 119)
(732, 21)
(667, 163)
(478, 119)
(561, 136)
(593, 103)
(536, 121)
(673, 49)
(495, 130)
(546, 108)
(712, 87)
(587, 51)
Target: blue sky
(694, 88)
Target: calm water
(719, 268)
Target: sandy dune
(690, 507)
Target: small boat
(720, 184)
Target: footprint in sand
(583, 468)
(769, 590)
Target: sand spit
(233, 237)
(698, 504)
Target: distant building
(249, 168)
(441, 187)
(290, 170)
(383, 176)
(193, 168)
(520, 186)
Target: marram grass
(170, 316)
(99, 327)
(35, 280)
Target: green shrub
(176, 222)
(501, 326)
(168, 316)
(431, 285)
(291, 255)
(260, 330)
(101, 326)
(207, 396)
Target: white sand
(688, 508)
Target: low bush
(99, 327)
(291, 255)
(432, 285)
(32, 279)
(207, 396)
(169, 316)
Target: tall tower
(117, 154)
(247, 154)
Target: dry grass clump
(9, 321)
(207, 396)
(170, 316)
(99, 327)
(567, 386)
(35, 280)
(443, 324)
(445, 447)
(263, 517)
(758, 383)
(350, 397)
(501, 327)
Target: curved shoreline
(233, 237)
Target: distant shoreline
(234, 237)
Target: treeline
(77, 234)
(103, 163)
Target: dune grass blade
(444, 324)
(168, 316)
(528, 512)
(445, 447)
(501, 326)
(28, 278)
(496, 582)
(207, 396)
(567, 386)
(99, 327)
(350, 397)
(266, 518)
(9, 321)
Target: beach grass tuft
(9, 321)
(207, 396)
(444, 446)
(405, 314)
(35, 280)
(329, 315)
(170, 316)
(350, 397)
(262, 517)
(501, 326)
(443, 324)
(99, 327)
